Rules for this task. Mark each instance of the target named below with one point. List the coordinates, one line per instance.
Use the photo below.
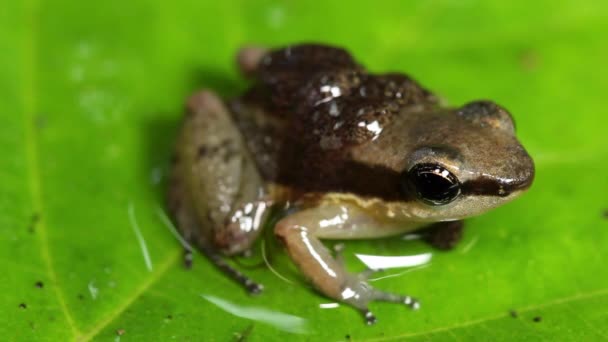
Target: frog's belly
(359, 218)
(367, 230)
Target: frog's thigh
(220, 174)
(179, 204)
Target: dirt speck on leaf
(120, 332)
(23, 306)
(40, 121)
(33, 222)
(537, 319)
(529, 60)
(243, 335)
(39, 284)
(513, 313)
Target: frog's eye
(433, 184)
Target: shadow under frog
(347, 154)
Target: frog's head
(464, 162)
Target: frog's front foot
(360, 280)
(443, 235)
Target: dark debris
(33, 222)
(529, 60)
(39, 284)
(243, 335)
(537, 319)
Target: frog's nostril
(521, 184)
(529, 176)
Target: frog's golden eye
(433, 184)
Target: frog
(345, 154)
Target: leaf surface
(91, 97)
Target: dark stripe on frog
(486, 186)
(384, 183)
(349, 177)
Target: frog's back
(310, 106)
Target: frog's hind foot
(248, 59)
(218, 261)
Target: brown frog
(349, 154)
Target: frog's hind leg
(216, 195)
(248, 58)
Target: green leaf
(91, 96)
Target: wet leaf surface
(91, 98)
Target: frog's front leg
(301, 233)
(443, 235)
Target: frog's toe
(370, 318)
(253, 288)
(188, 258)
(413, 303)
(410, 301)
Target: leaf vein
(151, 280)
(449, 329)
(35, 186)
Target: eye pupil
(433, 183)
